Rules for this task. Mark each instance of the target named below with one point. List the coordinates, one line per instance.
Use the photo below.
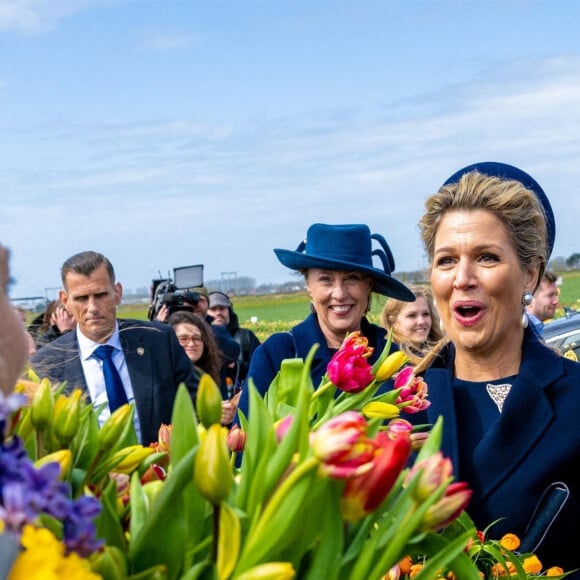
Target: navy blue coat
(534, 443)
(268, 357)
(156, 362)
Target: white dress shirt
(93, 371)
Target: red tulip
(448, 508)
(342, 445)
(153, 473)
(364, 493)
(432, 473)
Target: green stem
(321, 390)
(89, 473)
(39, 445)
(216, 533)
(282, 491)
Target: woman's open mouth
(468, 313)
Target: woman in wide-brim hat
(337, 264)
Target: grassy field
(271, 312)
(570, 289)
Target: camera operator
(168, 300)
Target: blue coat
(534, 443)
(268, 357)
(156, 362)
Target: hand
(228, 412)
(162, 314)
(229, 409)
(62, 319)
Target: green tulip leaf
(260, 446)
(433, 443)
(164, 518)
(85, 443)
(139, 506)
(184, 434)
(107, 522)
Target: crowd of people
(473, 331)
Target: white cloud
(36, 16)
(167, 41)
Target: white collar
(88, 346)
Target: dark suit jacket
(535, 442)
(156, 362)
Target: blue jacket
(534, 443)
(156, 362)
(297, 343)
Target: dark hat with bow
(347, 248)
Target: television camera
(176, 293)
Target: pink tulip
(342, 445)
(236, 439)
(432, 473)
(282, 427)
(349, 369)
(413, 395)
(448, 508)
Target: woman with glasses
(201, 347)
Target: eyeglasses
(185, 339)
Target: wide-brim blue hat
(347, 248)
(505, 171)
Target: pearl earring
(526, 301)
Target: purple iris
(27, 492)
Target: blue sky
(169, 133)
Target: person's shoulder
(248, 332)
(278, 342)
(126, 324)
(55, 347)
(141, 331)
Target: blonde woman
(416, 326)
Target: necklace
(498, 393)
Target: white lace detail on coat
(498, 393)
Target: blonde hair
(513, 204)
(392, 309)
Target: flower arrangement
(322, 488)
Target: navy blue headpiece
(505, 171)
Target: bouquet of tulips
(315, 485)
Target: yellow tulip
(379, 410)
(212, 470)
(42, 406)
(269, 571)
(230, 534)
(390, 366)
(130, 458)
(67, 416)
(111, 431)
(63, 457)
(208, 402)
